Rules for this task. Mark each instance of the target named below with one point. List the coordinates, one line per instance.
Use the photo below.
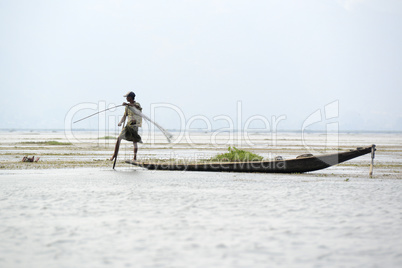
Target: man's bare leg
(116, 149)
(135, 151)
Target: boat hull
(298, 165)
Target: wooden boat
(297, 165)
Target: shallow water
(137, 218)
(88, 149)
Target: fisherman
(130, 131)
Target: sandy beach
(92, 149)
(71, 209)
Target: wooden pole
(372, 160)
(114, 163)
(115, 159)
(97, 113)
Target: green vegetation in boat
(236, 155)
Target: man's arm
(123, 119)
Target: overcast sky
(277, 58)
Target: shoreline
(203, 131)
(91, 151)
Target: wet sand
(72, 210)
(92, 149)
(98, 217)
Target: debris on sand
(30, 159)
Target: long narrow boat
(297, 165)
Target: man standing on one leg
(130, 131)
